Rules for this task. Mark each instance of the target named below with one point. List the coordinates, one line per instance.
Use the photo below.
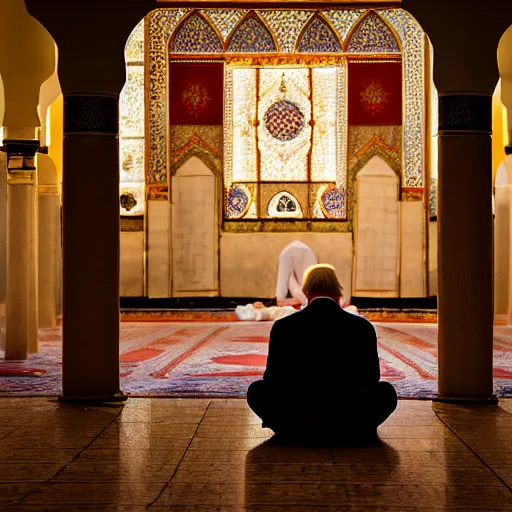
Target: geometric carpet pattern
(221, 359)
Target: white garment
(249, 312)
(294, 259)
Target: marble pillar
(21, 285)
(90, 205)
(465, 294)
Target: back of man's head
(321, 281)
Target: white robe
(294, 259)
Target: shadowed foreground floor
(201, 454)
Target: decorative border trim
(412, 194)
(471, 112)
(163, 22)
(286, 226)
(157, 192)
(91, 114)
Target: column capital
(463, 111)
(21, 165)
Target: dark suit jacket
(321, 352)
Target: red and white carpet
(221, 359)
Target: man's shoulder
(289, 320)
(356, 319)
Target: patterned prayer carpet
(220, 359)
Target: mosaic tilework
(244, 159)
(434, 147)
(131, 127)
(131, 160)
(432, 197)
(284, 160)
(224, 20)
(318, 37)
(131, 103)
(324, 155)
(195, 35)
(228, 126)
(237, 202)
(286, 26)
(325, 152)
(333, 202)
(343, 20)
(204, 142)
(389, 138)
(342, 128)
(134, 50)
(181, 134)
(372, 35)
(284, 120)
(413, 47)
(161, 24)
(251, 36)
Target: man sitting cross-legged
(322, 379)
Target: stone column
(90, 205)
(49, 240)
(21, 299)
(465, 252)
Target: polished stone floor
(213, 455)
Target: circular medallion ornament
(237, 202)
(333, 202)
(284, 120)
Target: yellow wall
(56, 130)
(499, 130)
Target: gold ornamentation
(190, 140)
(412, 39)
(392, 152)
(157, 192)
(286, 226)
(304, 61)
(412, 194)
(196, 98)
(374, 97)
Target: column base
(492, 400)
(118, 397)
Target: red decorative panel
(375, 93)
(196, 93)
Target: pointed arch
(372, 34)
(195, 146)
(252, 35)
(195, 34)
(318, 36)
(364, 156)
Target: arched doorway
(376, 230)
(194, 231)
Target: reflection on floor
(200, 454)
(221, 359)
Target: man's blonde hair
(320, 280)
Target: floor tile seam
(331, 483)
(482, 461)
(166, 485)
(75, 457)
(349, 485)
